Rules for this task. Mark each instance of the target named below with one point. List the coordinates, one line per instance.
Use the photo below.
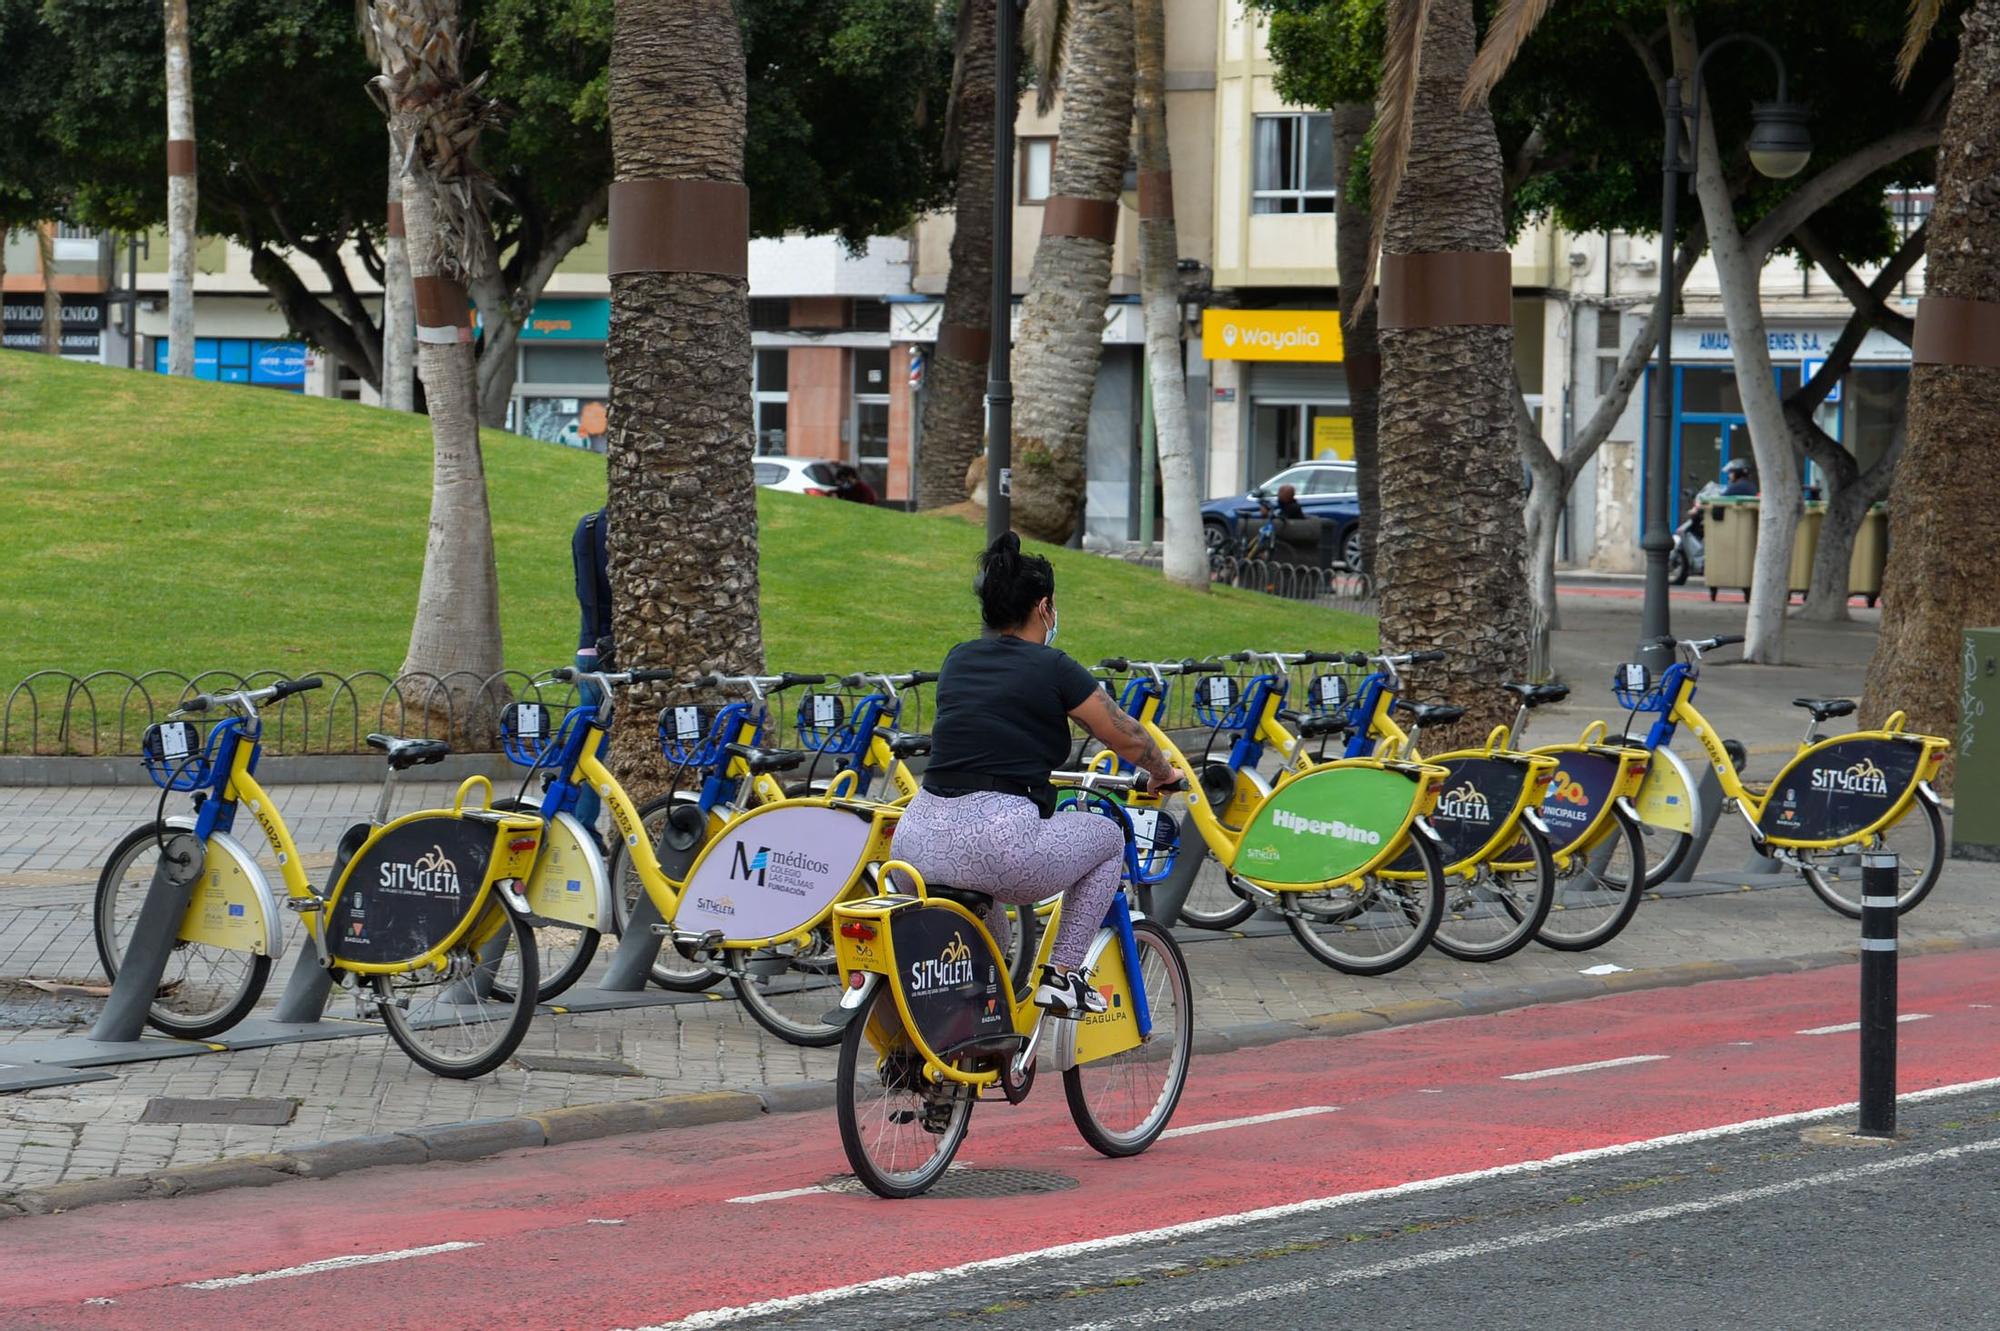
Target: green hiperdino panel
(1976, 748)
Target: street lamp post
(1779, 147)
(999, 381)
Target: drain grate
(242, 1111)
(964, 1181)
(593, 1067)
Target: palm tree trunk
(1363, 352)
(955, 382)
(1062, 317)
(1944, 525)
(399, 329)
(1184, 552)
(1449, 553)
(683, 500)
(45, 256)
(180, 193)
(455, 638)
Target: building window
(770, 313)
(1038, 160)
(871, 416)
(71, 231)
(868, 316)
(1910, 208)
(1293, 167)
(770, 398)
(579, 365)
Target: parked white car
(799, 476)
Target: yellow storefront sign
(1333, 437)
(1310, 335)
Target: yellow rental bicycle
(934, 1024)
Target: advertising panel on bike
(773, 871)
(406, 890)
(1577, 795)
(949, 977)
(1116, 1029)
(1835, 790)
(1326, 825)
(1478, 796)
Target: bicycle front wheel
(469, 1018)
(1212, 900)
(1122, 1103)
(1597, 893)
(788, 990)
(1495, 914)
(1375, 926)
(670, 969)
(899, 1129)
(205, 989)
(1919, 846)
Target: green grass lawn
(153, 523)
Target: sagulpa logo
(433, 874)
(1862, 778)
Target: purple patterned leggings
(989, 842)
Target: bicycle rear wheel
(899, 1129)
(1374, 926)
(1495, 915)
(205, 989)
(1122, 1103)
(788, 990)
(563, 951)
(1919, 846)
(670, 969)
(468, 1019)
(1597, 893)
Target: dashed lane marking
(1627, 1061)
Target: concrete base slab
(612, 1000)
(262, 1032)
(82, 1052)
(35, 1076)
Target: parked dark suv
(1326, 491)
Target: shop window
(1038, 161)
(564, 365)
(1710, 390)
(871, 415)
(1292, 167)
(769, 380)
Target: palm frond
(1512, 25)
(1395, 111)
(1916, 36)
(1044, 33)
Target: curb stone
(480, 1138)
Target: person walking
(590, 556)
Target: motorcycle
(1687, 555)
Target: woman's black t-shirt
(1002, 720)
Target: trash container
(1871, 554)
(1730, 555)
(1805, 544)
(1975, 832)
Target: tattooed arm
(1124, 736)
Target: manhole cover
(239, 1110)
(963, 1181)
(595, 1067)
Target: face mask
(1055, 617)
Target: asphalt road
(1641, 1159)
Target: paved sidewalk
(53, 840)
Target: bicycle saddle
(404, 754)
(1322, 725)
(1534, 695)
(904, 745)
(1825, 709)
(976, 902)
(1433, 713)
(767, 760)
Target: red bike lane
(644, 1230)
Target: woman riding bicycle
(985, 819)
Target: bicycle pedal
(304, 905)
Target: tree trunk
(1552, 478)
(1450, 551)
(1062, 318)
(180, 193)
(45, 256)
(399, 328)
(1363, 352)
(683, 498)
(1944, 527)
(455, 637)
(1739, 269)
(954, 427)
(1826, 597)
(1184, 552)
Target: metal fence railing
(1334, 588)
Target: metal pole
(1878, 994)
(1149, 454)
(1658, 541)
(153, 939)
(999, 371)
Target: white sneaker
(1067, 994)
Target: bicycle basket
(1215, 700)
(175, 756)
(822, 724)
(1327, 694)
(691, 733)
(1632, 684)
(527, 732)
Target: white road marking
(1846, 1026)
(1533, 1238)
(329, 1264)
(1194, 1129)
(1584, 1067)
(776, 1196)
(604, 1222)
(714, 1317)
